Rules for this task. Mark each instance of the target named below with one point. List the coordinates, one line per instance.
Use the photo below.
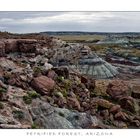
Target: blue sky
(26, 22)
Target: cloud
(22, 22)
(38, 18)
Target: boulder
(115, 109)
(18, 81)
(105, 113)
(11, 45)
(101, 103)
(51, 74)
(84, 79)
(135, 123)
(19, 45)
(121, 116)
(43, 84)
(117, 89)
(73, 103)
(129, 104)
(47, 66)
(89, 82)
(101, 87)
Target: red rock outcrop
(18, 45)
(27, 45)
(11, 45)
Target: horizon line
(74, 32)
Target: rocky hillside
(42, 86)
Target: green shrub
(67, 84)
(27, 99)
(34, 126)
(64, 92)
(76, 117)
(1, 106)
(60, 78)
(7, 75)
(3, 90)
(61, 114)
(37, 70)
(33, 94)
(18, 114)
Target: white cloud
(2, 28)
(64, 17)
(6, 20)
(62, 21)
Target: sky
(30, 22)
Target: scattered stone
(42, 86)
(115, 109)
(121, 116)
(120, 124)
(129, 104)
(101, 103)
(2, 85)
(62, 71)
(2, 49)
(136, 92)
(7, 65)
(73, 103)
(135, 123)
(117, 89)
(105, 113)
(48, 66)
(51, 74)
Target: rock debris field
(48, 83)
